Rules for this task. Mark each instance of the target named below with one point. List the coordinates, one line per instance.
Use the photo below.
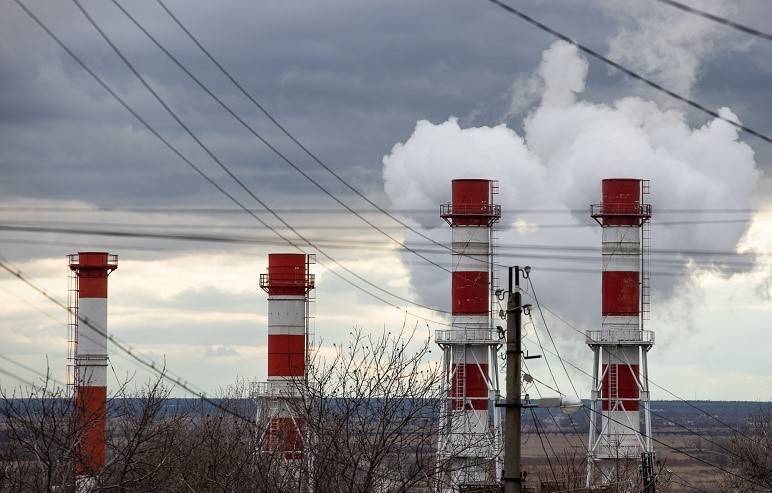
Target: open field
(683, 469)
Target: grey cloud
(349, 79)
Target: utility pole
(512, 475)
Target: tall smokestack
(469, 438)
(620, 375)
(288, 284)
(90, 366)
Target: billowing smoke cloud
(568, 147)
(665, 43)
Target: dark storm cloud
(350, 79)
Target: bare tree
(751, 457)
(368, 412)
(41, 435)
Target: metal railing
(490, 212)
(620, 210)
(285, 389)
(450, 336)
(619, 336)
(111, 261)
(287, 280)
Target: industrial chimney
(88, 354)
(620, 375)
(288, 283)
(469, 443)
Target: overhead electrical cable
(533, 295)
(552, 374)
(353, 227)
(541, 440)
(676, 449)
(225, 168)
(289, 134)
(651, 382)
(44, 376)
(140, 228)
(661, 416)
(685, 482)
(676, 268)
(244, 187)
(559, 428)
(17, 378)
(209, 179)
(320, 210)
(262, 139)
(501, 245)
(144, 361)
(629, 72)
(719, 19)
(555, 382)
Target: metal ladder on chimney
(492, 246)
(613, 386)
(459, 383)
(645, 262)
(310, 318)
(72, 332)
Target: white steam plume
(664, 43)
(569, 146)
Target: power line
(241, 184)
(17, 378)
(629, 72)
(509, 249)
(359, 227)
(719, 19)
(44, 376)
(214, 183)
(557, 353)
(670, 420)
(322, 210)
(359, 240)
(549, 333)
(286, 132)
(538, 434)
(690, 404)
(678, 267)
(148, 363)
(263, 139)
(576, 433)
(676, 449)
(685, 482)
(654, 439)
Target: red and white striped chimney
(288, 283)
(91, 269)
(470, 291)
(620, 389)
(469, 348)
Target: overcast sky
(352, 80)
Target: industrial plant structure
(620, 391)
(469, 442)
(87, 354)
(288, 283)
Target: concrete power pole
(512, 475)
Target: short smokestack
(90, 362)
